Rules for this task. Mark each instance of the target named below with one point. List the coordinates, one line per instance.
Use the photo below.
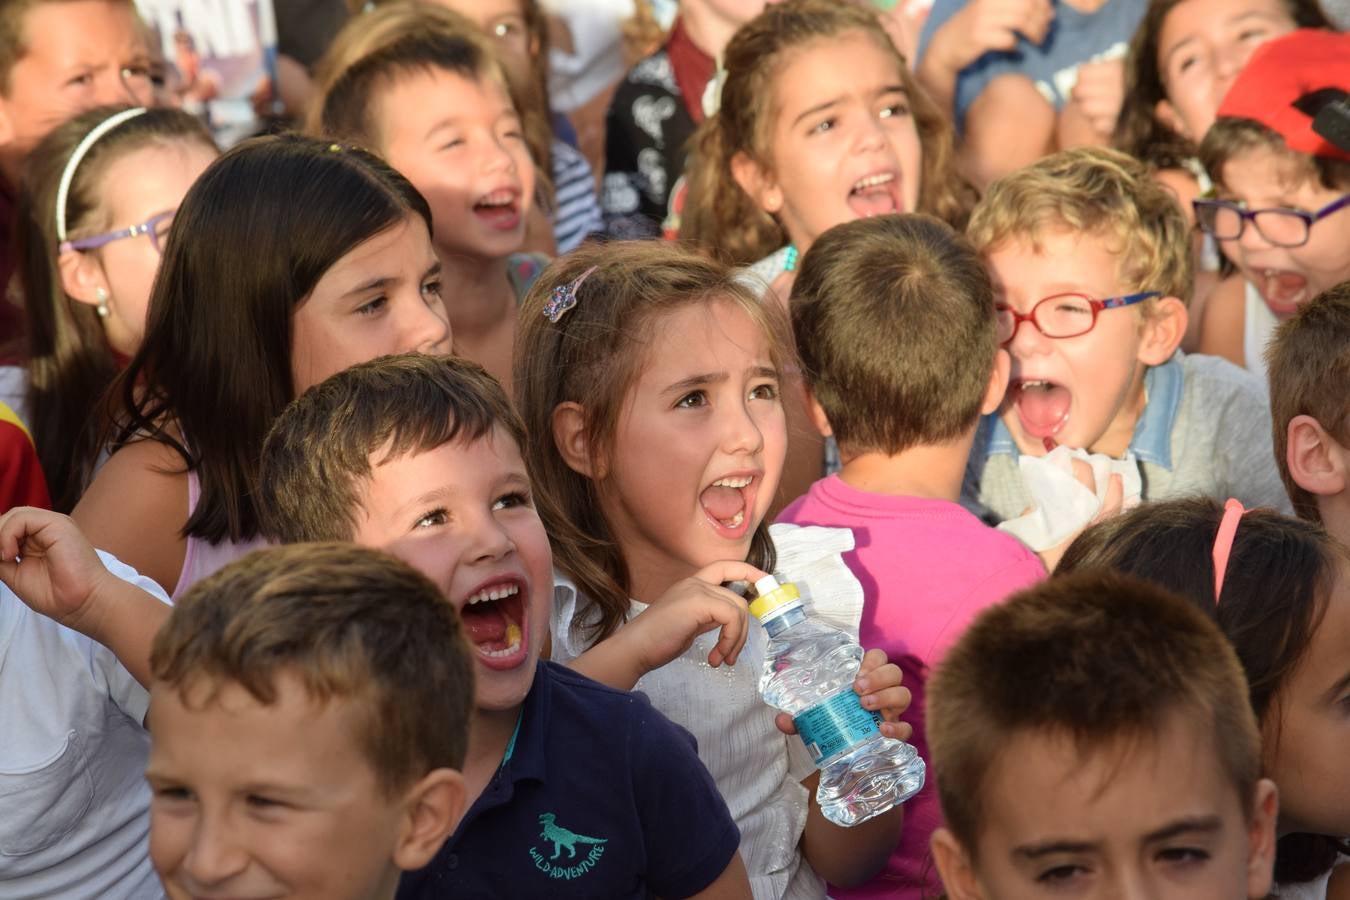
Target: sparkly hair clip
(564, 297)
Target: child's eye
(692, 400)
(512, 500)
(1183, 855)
(504, 30)
(84, 79)
(173, 793)
(894, 109)
(452, 144)
(372, 307)
(258, 801)
(432, 519)
(824, 126)
(1060, 875)
(432, 290)
(767, 391)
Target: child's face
(135, 188)
(463, 514)
(699, 446)
(460, 143)
(76, 52)
(1202, 46)
(1308, 728)
(1286, 276)
(383, 297)
(504, 21)
(1152, 818)
(1085, 391)
(275, 801)
(844, 145)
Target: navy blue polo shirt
(599, 795)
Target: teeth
(732, 482)
(735, 520)
(874, 180)
(513, 635)
(494, 593)
(497, 198)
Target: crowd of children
(379, 498)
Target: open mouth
(876, 195)
(1282, 290)
(494, 619)
(727, 503)
(1042, 408)
(499, 209)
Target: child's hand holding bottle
(669, 626)
(878, 685)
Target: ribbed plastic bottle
(809, 669)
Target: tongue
(484, 622)
(1284, 290)
(722, 503)
(1043, 410)
(873, 201)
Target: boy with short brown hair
(318, 697)
(1092, 733)
(1090, 259)
(1309, 368)
(575, 790)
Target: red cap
(1282, 71)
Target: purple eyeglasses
(150, 228)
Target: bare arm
(1224, 321)
(136, 508)
(1010, 125)
(49, 565)
(848, 857)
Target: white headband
(72, 164)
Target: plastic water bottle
(809, 668)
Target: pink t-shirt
(927, 567)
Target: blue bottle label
(834, 725)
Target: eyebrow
(706, 378)
(1192, 825)
(835, 101)
(1249, 14)
(385, 281)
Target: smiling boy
(1096, 741)
(575, 790)
(1090, 259)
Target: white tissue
(1061, 505)
(811, 557)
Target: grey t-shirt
(1205, 430)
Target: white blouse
(757, 768)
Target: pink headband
(1223, 542)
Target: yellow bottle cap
(771, 596)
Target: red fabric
(21, 479)
(692, 67)
(1279, 73)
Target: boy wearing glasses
(893, 318)
(1281, 208)
(1090, 262)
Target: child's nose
(215, 855)
(429, 328)
(488, 539)
(741, 433)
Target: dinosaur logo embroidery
(562, 839)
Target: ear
(998, 382)
(1167, 114)
(1261, 839)
(954, 865)
(432, 809)
(569, 436)
(81, 276)
(1163, 330)
(1316, 460)
(816, 412)
(757, 182)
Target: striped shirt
(576, 212)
